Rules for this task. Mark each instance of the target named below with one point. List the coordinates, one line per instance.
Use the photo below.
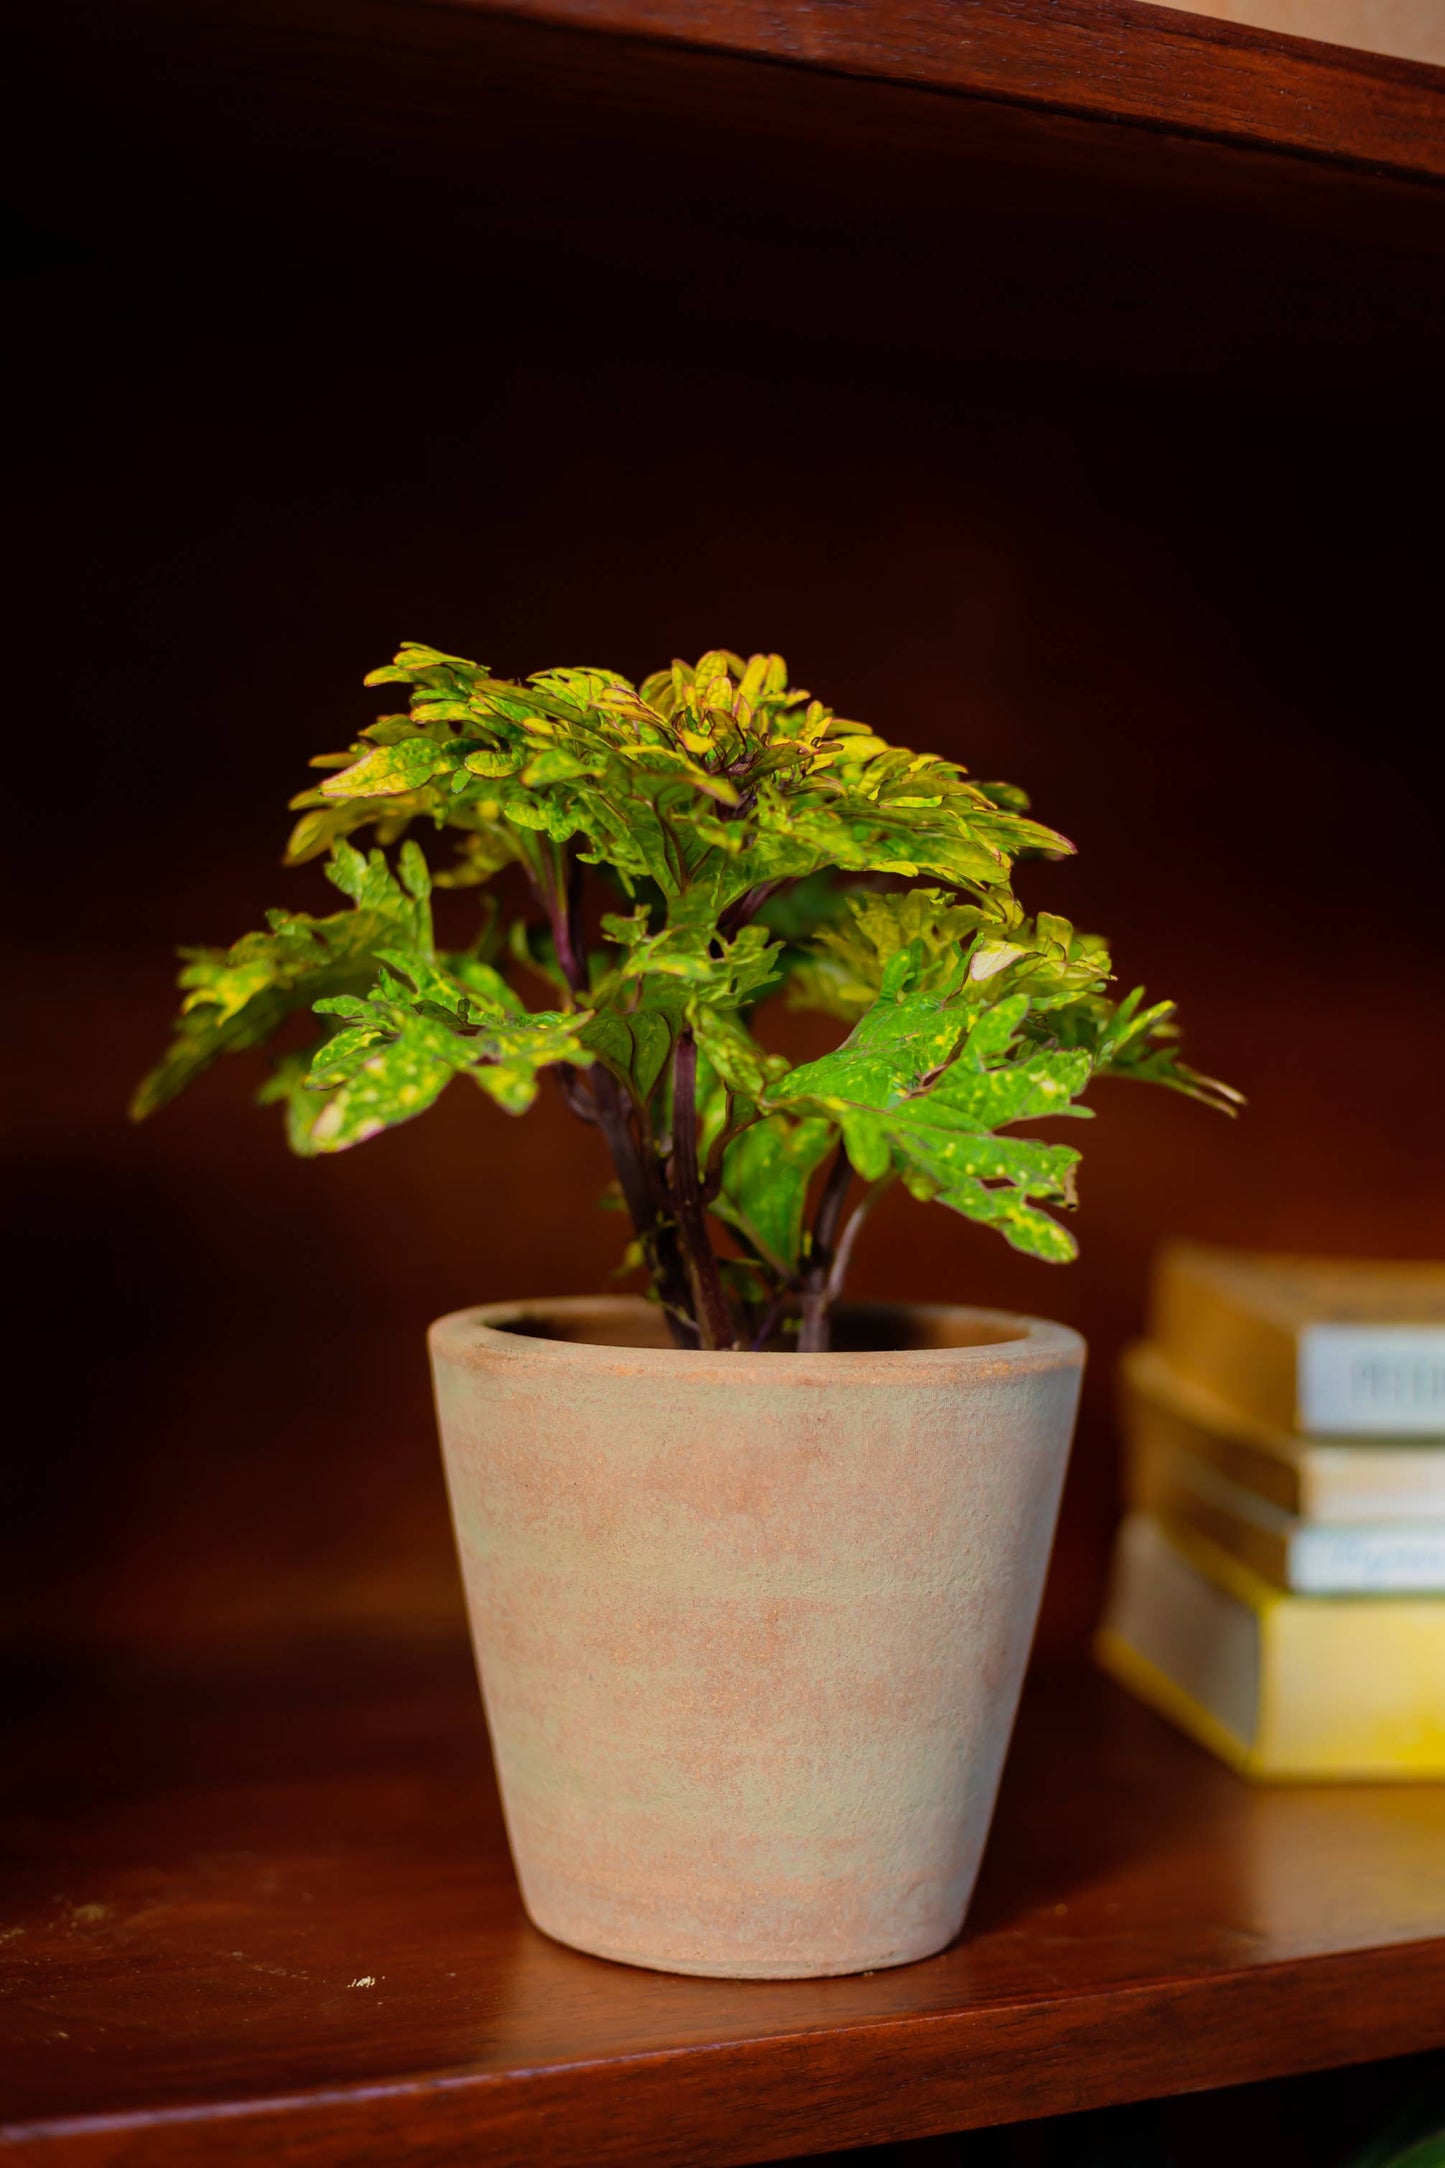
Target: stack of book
(1279, 1583)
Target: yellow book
(1281, 1686)
(1308, 1344)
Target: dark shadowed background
(1143, 525)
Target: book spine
(1340, 1480)
(1372, 1380)
(1324, 1561)
(1382, 1557)
(1325, 1379)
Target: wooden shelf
(1075, 185)
(267, 1908)
(271, 1910)
(1118, 60)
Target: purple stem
(714, 1319)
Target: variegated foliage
(756, 844)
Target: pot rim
(488, 1333)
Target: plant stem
(574, 956)
(842, 1256)
(817, 1287)
(638, 1174)
(634, 1162)
(561, 898)
(739, 914)
(769, 1321)
(714, 1319)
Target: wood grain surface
(1110, 59)
(272, 1911)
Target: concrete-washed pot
(751, 1628)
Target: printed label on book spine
(1385, 1380)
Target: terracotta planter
(751, 1628)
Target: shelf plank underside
(1117, 60)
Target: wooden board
(271, 1911)
(1111, 59)
(384, 140)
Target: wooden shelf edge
(1106, 60)
(794, 2093)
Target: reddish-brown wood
(888, 212)
(1123, 60)
(274, 1911)
(1109, 59)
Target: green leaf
(390, 769)
(421, 1026)
(891, 1053)
(414, 872)
(710, 780)
(715, 975)
(1008, 1209)
(287, 1088)
(239, 997)
(766, 1172)
(1124, 1039)
(949, 943)
(373, 1078)
(922, 1084)
(636, 1045)
(734, 1055)
(505, 762)
(554, 766)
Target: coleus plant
(747, 842)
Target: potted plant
(752, 1580)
